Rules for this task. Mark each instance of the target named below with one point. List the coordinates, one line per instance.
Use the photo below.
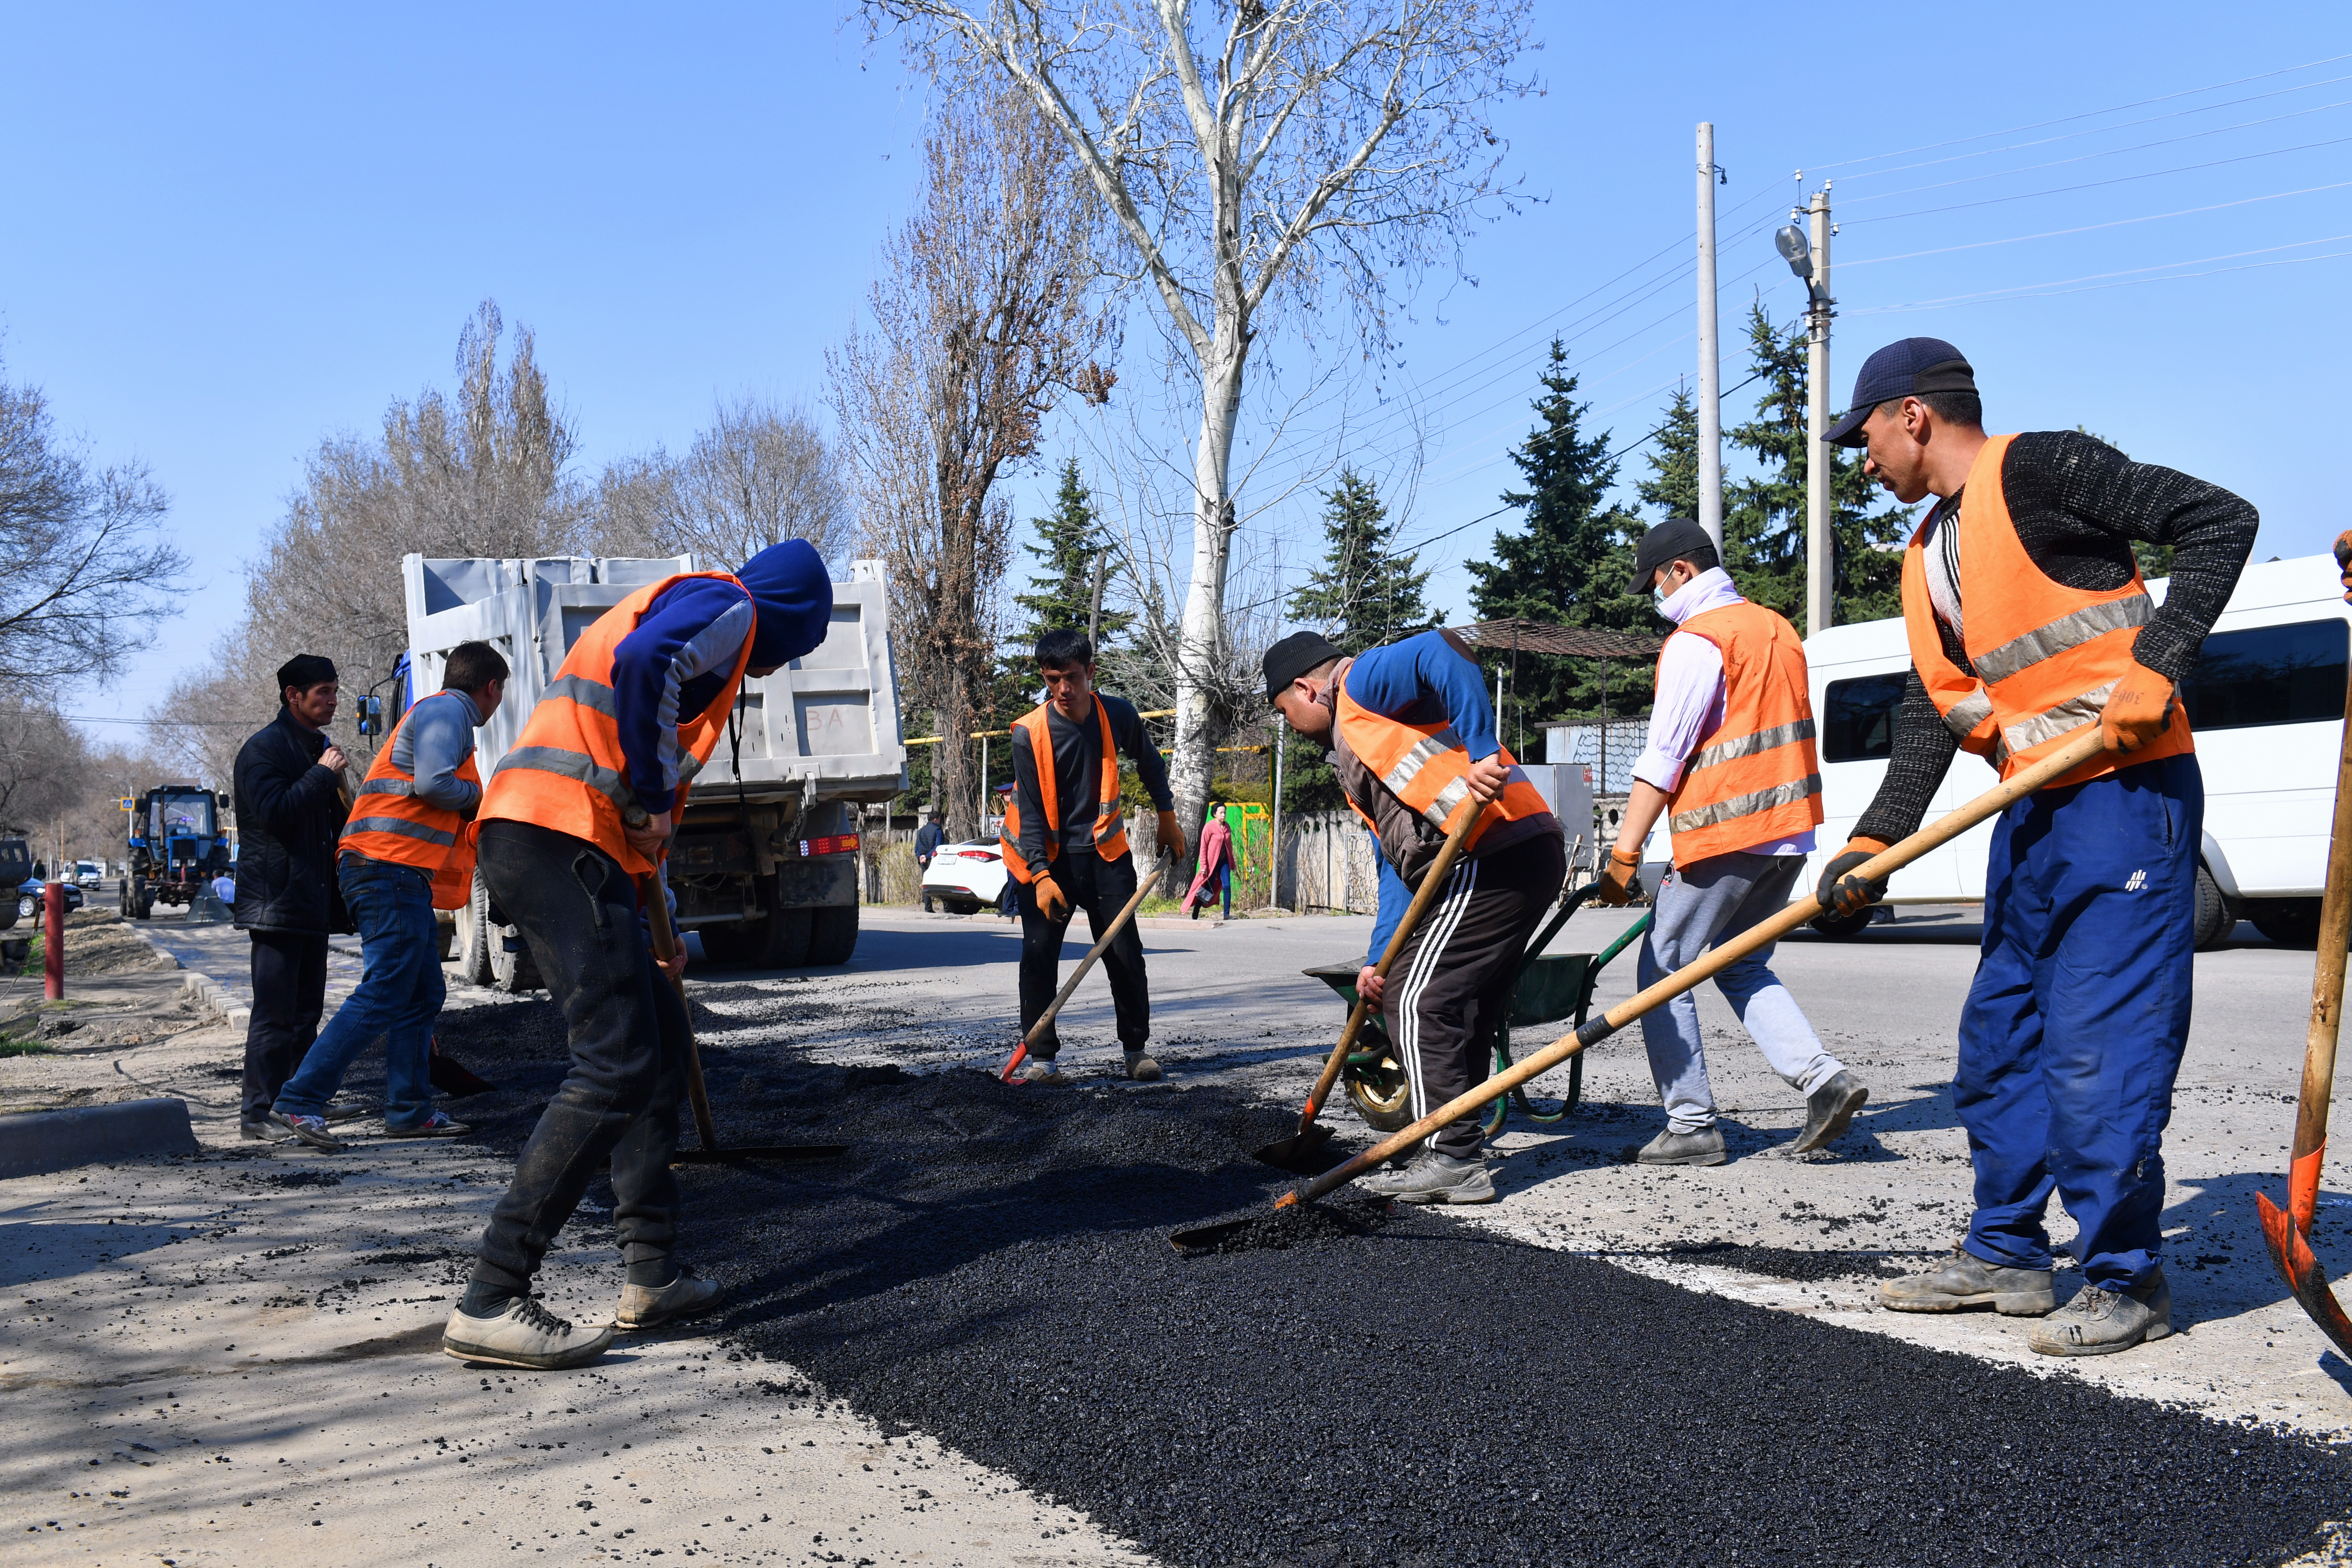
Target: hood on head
(793, 594)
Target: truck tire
(832, 933)
(2290, 922)
(473, 936)
(2214, 920)
(781, 940)
(1844, 928)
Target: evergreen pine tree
(1363, 595)
(1064, 587)
(1672, 484)
(1568, 567)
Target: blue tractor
(177, 847)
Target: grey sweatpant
(1697, 906)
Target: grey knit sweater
(2079, 505)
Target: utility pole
(1820, 540)
(1710, 365)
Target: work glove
(2139, 711)
(1051, 899)
(1842, 892)
(1171, 837)
(1620, 879)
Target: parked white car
(2267, 703)
(88, 873)
(966, 878)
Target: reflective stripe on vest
(566, 770)
(1110, 822)
(2045, 657)
(1754, 779)
(1426, 768)
(402, 826)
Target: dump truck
(178, 845)
(764, 865)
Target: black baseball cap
(1292, 657)
(1904, 369)
(1677, 539)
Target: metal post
(983, 783)
(1273, 875)
(1821, 544)
(53, 948)
(1710, 366)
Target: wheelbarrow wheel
(1379, 1091)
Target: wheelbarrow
(1552, 986)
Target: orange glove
(2141, 709)
(1842, 892)
(1171, 837)
(1051, 899)
(1620, 879)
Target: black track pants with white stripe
(1450, 987)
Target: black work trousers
(289, 993)
(1450, 987)
(1101, 888)
(578, 911)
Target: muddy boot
(1704, 1147)
(1969, 1280)
(525, 1334)
(1043, 1069)
(642, 1305)
(2101, 1322)
(1436, 1178)
(1828, 1109)
(1142, 1069)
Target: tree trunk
(1200, 649)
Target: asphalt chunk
(1354, 1386)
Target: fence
(1609, 750)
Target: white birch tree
(1253, 157)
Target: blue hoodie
(676, 663)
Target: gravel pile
(992, 1266)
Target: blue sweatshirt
(1420, 680)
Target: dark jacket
(289, 812)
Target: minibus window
(2268, 675)
(1858, 718)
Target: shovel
(1046, 1019)
(2285, 1231)
(657, 908)
(2086, 746)
(1302, 1153)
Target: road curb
(36, 1143)
(214, 1000)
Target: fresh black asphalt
(991, 1266)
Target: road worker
(1730, 763)
(1411, 736)
(1065, 843)
(2028, 621)
(579, 810)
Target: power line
(2055, 287)
(2088, 227)
(2094, 184)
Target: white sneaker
(526, 1335)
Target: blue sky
(232, 234)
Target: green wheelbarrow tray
(1552, 987)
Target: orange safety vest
(1110, 822)
(2046, 657)
(390, 822)
(1754, 778)
(1426, 767)
(566, 770)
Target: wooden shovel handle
(2327, 983)
(657, 908)
(1102, 944)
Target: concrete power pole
(1710, 364)
(1821, 542)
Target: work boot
(1704, 1147)
(527, 1335)
(312, 1130)
(1142, 1069)
(1043, 1069)
(1968, 1280)
(264, 1132)
(1828, 1109)
(1436, 1178)
(2101, 1322)
(644, 1306)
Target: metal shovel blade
(1305, 1153)
(793, 1152)
(2301, 1270)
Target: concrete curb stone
(212, 998)
(34, 1142)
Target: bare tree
(481, 475)
(763, 472)
(983, 317)
(84, 571)
(1249, 158)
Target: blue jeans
(2075, 1022)
(399, 997)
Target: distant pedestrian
(291, 800)
(405, 849)
(1215, 874)
(928, 839)
(1008, 900)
